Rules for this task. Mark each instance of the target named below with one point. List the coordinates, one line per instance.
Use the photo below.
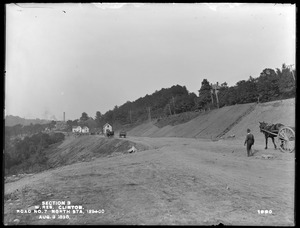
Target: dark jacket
(249, 139)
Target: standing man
(249, 141)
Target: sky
(77, 58)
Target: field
(169, 181)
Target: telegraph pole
(149, 114)
(173, 104)
(290, 66)
(217, 91)
(170, 109)
(130, 116)
(211, 93)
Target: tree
(99, 119)
(204, 94)
(267, 85)
(84, 116)
(70, 123)
(184, 103)
(75, 122)
(286, 82)
(246, 91)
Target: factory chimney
(64, 117)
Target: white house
(76, 129)
(85, 130)
(106, 127)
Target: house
(106, 127)
(85, 130)
(47, 129)
(76, 129)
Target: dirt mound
(206, 125)
(89, 147)
(272, 112)
(225, 122)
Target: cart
(285, 138)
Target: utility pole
(170, 109)
(173, 104)
(290, 66)
(217, 91)
(214, 90)
(149, 114)
(211, 93)
(130, 116)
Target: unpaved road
(178, 181)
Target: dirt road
(177, 181)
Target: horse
(270, 131)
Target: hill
(282, 111)
(86, 148)
(269, 86)
(11, 120)
(178, 176)
(225, 121)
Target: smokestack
(64, 117)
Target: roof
(106, 124)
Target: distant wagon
(122, 134)
(107, 130)
(109, 133)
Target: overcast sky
(76, 58)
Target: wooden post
(173, 104)
(217, 97)
(149, 114)
(170, 109)
(130, 116)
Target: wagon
(109, 133)
(285, 138)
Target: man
(249, 141)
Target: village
(61, 126)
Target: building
(47, 129)
(85, 130)
(106, 127)
(76, 129)
(79, 129)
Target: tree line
(28, 154)
(270, 85)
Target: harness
(268, 128)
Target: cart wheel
(286, 139)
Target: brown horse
(270, 131)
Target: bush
(29, 154)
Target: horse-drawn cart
(286, 139)
(285, 136)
